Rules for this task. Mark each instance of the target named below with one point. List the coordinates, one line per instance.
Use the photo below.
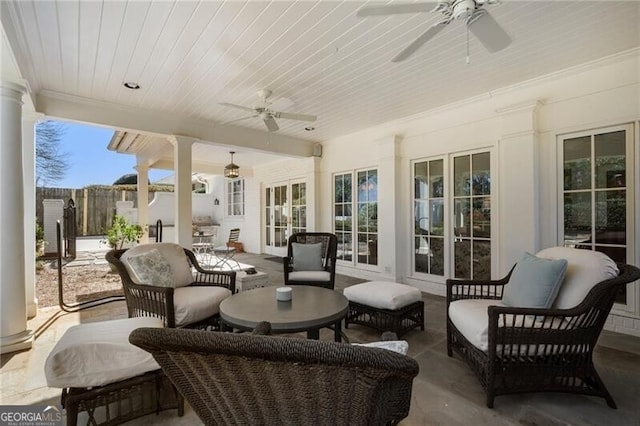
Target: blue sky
(90, 162)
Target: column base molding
(16, 342)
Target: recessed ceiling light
(131, 85)
(309, 129)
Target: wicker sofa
(532, 349)
(247, 379)
(191, 300)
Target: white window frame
(230, 211)
(354, 213)
(632, 307)
(446, 237)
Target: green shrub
(122, 232)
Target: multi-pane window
(356, 233)
(472, 216)
(235, 197)
(343, 216)
(595, 195)
(298, 207)
(367, 207)
(428, 217)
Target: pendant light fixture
(231, 170)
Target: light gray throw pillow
(307, 257)
(535, 282)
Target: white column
(518, 185)
(29, 121)
(13, 315)
(143, 200)
(392, 241)
(182, 187)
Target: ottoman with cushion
(101, 373)
(385, 306)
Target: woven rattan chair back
(329, 252)
(232, 379)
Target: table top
(310, 307)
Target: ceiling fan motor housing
(463, 9)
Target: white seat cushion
(99, 353)
(314, 276)
(472, 321)
(471, 318)
(585, 269)
(195, 303)
(173, 253)
(383, 295)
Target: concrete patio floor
(445, 392)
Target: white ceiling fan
(478, 21)
(267, 114)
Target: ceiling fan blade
(237, 106)
(271, 124)
(417, 43)
(393, 9)
(489, 32)
(294, 116)
(239, 119)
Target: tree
(128, 179)
(51, 162)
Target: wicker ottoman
(102, 374)
(246, 281)
(385, 306)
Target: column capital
(142, 167)
(520, 119)
(181, 140)
(4, 84)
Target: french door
(452, 216)
(285, 212)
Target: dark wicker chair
(547, 350)
(246, 379)
(154, 301)
(325, 278)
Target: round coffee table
(310, 309)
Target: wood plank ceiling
(316, 56)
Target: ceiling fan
(478, 21)
(267, 114)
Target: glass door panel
(472, 216)
(285, 213)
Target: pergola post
(182, 167)
(29, 122)
(143, 200)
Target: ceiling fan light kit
(266, 114)
(477, 20)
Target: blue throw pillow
(307, 257)
(535, 282)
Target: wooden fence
(95, 206)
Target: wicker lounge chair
(324, 274)
(533, 349)
(247, 379)
(193, 299)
